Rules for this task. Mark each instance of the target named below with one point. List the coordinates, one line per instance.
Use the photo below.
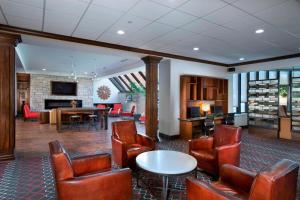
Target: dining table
(101, 112)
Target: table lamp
(205, 108)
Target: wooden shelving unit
(295, 99)
(263, 103)
(196, 90)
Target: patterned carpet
(32, 178)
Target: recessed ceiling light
(44, 69)
(241, 59)
(121, 32)
(85, 73)
(196, 48)
(258, 31)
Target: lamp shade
(205, 107)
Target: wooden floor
(32, 138)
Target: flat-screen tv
(63, 88)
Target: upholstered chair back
(226, 135)
(125, 131)
(61, 162)
(132, 109)
(279, 183)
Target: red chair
(88, 177)
(277, 183)
(27, 114)
(127, 143)
(221, 148)
(117, 109)
(142, 118)
(129, 114)
(100, 106)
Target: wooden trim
(137, 80)
(128, 79)
(142, 75)
(265, 60)
(17, 30)
(129, 88)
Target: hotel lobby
(149, 99)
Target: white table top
(166, 162)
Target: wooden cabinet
(195, 90)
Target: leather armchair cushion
(126, 132)
(135, 151)
(207, 155)
(230, 190)
(91, 164)
(226, 135)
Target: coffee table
(166, 163)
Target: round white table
(166, 163)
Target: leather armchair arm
(201, 143)
(196, 190)
(146, 141)
(113, 185)
(91, 163)
(237, 177)
(228, 154)
(119, 152)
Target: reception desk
(61, 112)
(187, 126)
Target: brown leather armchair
(127, 144)
(278, 183)
(223, 147)
(88, 177)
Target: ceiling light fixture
(196, 48)
(259, 31)
(44, 69)
(121, 32)
(85, 73)
(241, 59)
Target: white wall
(178, 68)
(164, 106)
(114, 92)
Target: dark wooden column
(151, 95)
(7, 95)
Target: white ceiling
(57, 57)
(222, 29)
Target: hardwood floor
(32, 138)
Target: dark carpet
(31, 178)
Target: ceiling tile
(21, 10)
(104, 14)
(146, 34)
(201, 8)
(149, 10)
(254, 6)
(60, 23)
(130, 24)
(123, 5)
(225, 15)
(67, 7)
(199, 26)
(111, 38)
(24, 22)
(171, 3)
(176, 18)
(285, 16)
(2, 19)
(33, 3)
(247, 24)
(91, 29)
